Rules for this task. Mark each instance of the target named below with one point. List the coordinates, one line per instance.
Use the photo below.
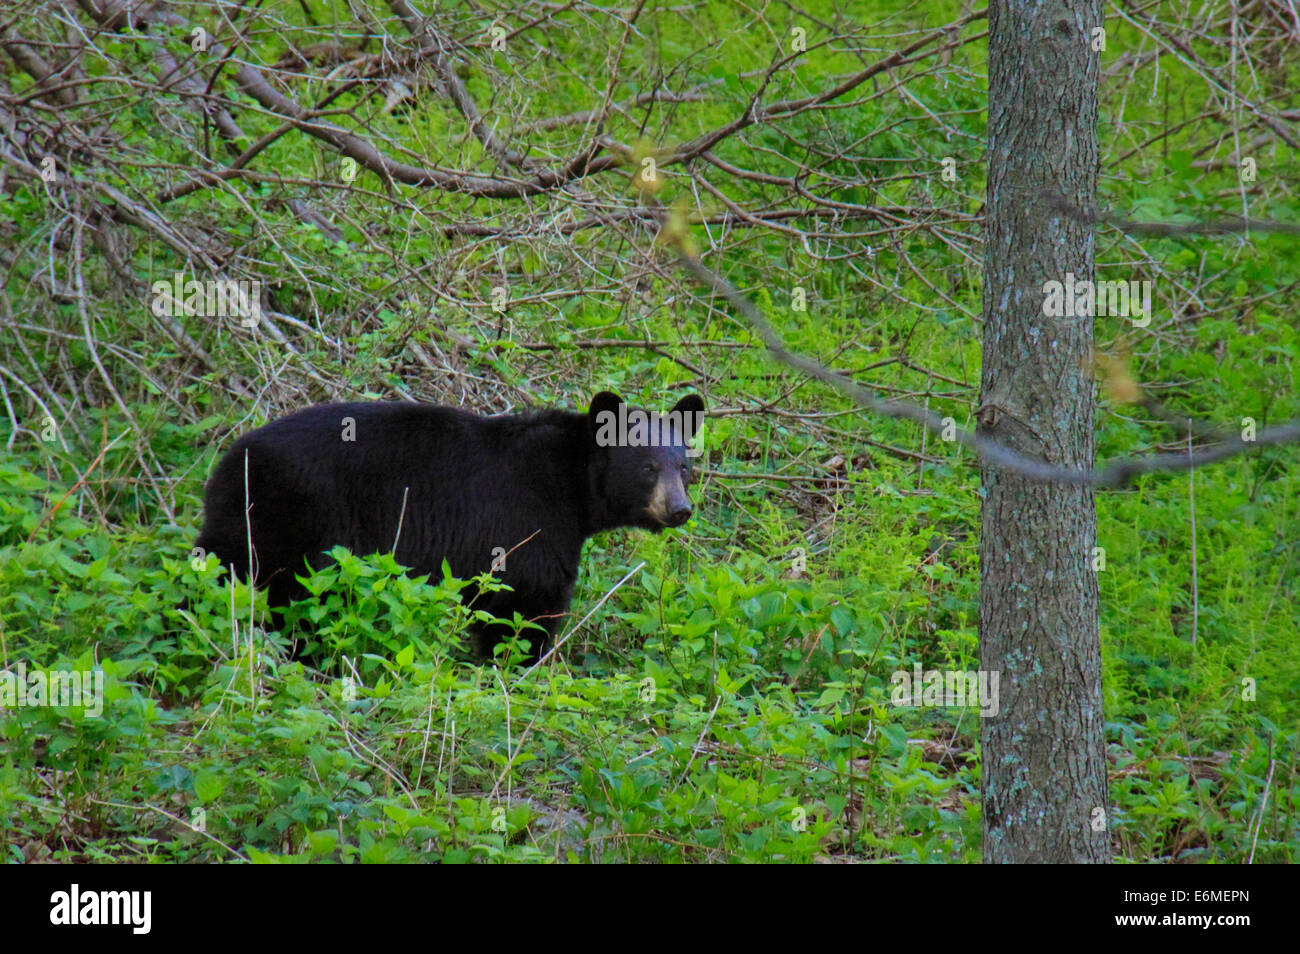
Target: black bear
(460, 486)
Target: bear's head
(640, 465)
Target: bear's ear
(602, 418)
(691, 404)
(602, 402)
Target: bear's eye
(648, 468)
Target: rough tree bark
(1044, 766)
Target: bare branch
(435, 45)
(756, 114)
(1115, 474)
(1231, 224)
(251, 81)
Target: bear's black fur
(471, 484)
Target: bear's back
(439, 482)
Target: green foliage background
(720, 706)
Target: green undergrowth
(726, 705)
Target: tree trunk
(1044, 764)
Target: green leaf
(208, 785)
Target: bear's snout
(669, 505)
(678, 517)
